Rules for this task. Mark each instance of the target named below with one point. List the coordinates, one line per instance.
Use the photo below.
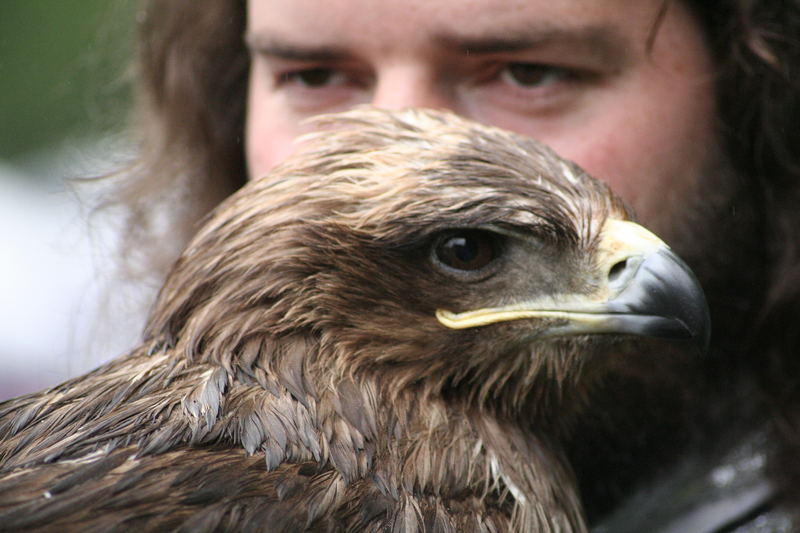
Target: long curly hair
(756, 44)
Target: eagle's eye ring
(469, 254)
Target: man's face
(606, 83)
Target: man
(687, 109)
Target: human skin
(626, 94)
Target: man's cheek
(270, 136)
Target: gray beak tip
(664, 299)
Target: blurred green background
(63, 72)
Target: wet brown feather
(293, 376)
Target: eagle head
(449, 258)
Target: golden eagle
(390, 332)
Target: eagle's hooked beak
(649, 291)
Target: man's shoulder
(723, 492)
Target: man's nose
(403, 86)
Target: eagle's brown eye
(467, 250)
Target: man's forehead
(480, 26)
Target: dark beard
(665, 401)
(719, 230)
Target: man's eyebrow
(601, 42)
(268, 46)
(604, 42)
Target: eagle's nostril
(617, 270)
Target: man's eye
(529, 75)
(313, 77)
